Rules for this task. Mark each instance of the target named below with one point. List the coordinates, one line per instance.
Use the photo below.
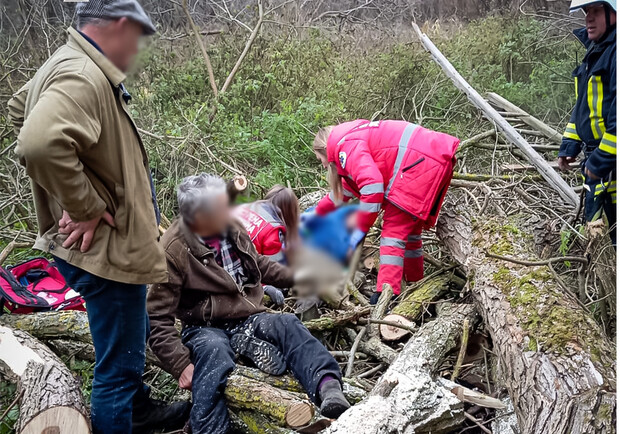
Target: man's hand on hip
(81, 230)
(185, 380)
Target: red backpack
(35, 286)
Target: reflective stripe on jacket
(398, 161)
(593, 120)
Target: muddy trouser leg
(414, 256)
(213, 361)
(305, 356)
(397, 226)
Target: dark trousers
(214, 359)
(119, 328)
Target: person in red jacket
(272, 225)
(396, 166)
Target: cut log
(393, 333)
(353, 392)
(556, 361)
(235, 186)
(420, 294)
(407, 399)
(286, 408)
(553, 178)
(530, 120)
(51, 400)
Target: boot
(333, 402)
(151, 414)
(264, 355)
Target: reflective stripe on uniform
(393, 242)
(402, 147)
(608, 143)
(571, 132)
(609, 187)
(370, 207)
(576, 88)
(347, 193)
(391, 260)
(595, 102)
(413, 238)
(377, 187)
(417, 253)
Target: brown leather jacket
(200, 291)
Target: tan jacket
(200, 291)
(82, 151)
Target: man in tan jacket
(95, 203)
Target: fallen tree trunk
(537, 124)
(68, 324)
(73, 325)
(428, 290)
(288, 409)
(407, 399)
(553, 178)
(602, 270)
(51, 400)
(557, 363)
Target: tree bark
(556, 362)
(286, 408)
(553, 178)
(428, 290)
(51, 400)
(407, 399)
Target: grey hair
(197, 193)
(93, 21)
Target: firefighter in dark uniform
(592, 126)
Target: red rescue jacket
(263, 223)
(398, 161)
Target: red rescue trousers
(401, 249)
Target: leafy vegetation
(288, 87)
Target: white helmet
(580, 4)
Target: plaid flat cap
(116, 9)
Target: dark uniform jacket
(592, 125)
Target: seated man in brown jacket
(214, 287)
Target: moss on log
(555, 360)
(339, 319)
(424, 292)
(287, 409)
(244, 421)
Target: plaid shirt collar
(226, 256)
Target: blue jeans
(119, 328)
(214, 359)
